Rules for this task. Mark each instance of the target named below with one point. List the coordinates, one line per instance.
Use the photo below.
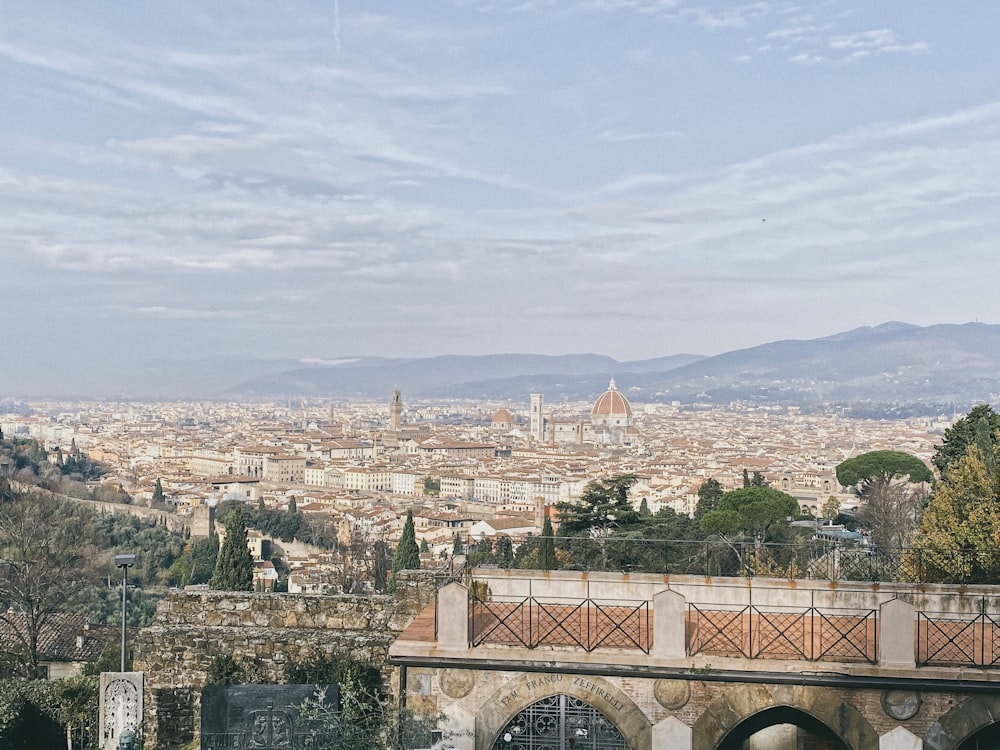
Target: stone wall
(269, 631)
(198, 522)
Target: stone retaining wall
(267, 631)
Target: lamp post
(124, 562)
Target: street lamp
(124, 562)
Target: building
(66, 641)
(611, 417)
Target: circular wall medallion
(901, 704)
(672, 694)
(456, 683)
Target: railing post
(668, 625)
(453, 631)
(896, 640)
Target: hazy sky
(627, 177)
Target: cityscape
(322, 497)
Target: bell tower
(537, 424)
(396, 411)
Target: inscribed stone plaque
(263, 717)
(457, 683)
(120, 703)
(672, 694)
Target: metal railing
(819, 559)
(951, 639)
(756, 632)
(531, 621)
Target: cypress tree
(407, 555)
(547, 552)
(234, 566)
(505, 551)
(158, 492)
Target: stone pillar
(668, 625)
(896, 637)
(900, 738)
(453, 616)
(672, 733)
(120, 704)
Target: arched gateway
(560, 722)
(746, 709)
(561, 712)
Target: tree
(204, 553)
(960, 527)
(41, 570)
(603, 506)
(750, 510)
(547, 551)
(881, 467)
(293, 506)
(457, 547)
(364, 721)
(756, 481)
(709, 494)
(234, 566)
(158, 497)
(505, 551)
(407, 555)
(831, 508)
(981, 427)
(884, 480)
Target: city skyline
(636, 179)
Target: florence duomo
(609, 423)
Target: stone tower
(537, 425)
(396, 411)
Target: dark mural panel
(262, 717)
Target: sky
(635, 178)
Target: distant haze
(933, 367)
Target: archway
(579, 696)
(987, 738)
(560, 722)
(971, 725)
(746, 709)
(781, 727)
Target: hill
(893, 363)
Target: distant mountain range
(892, 369)
(889, 364)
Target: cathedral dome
(502, 418)
(611, 404)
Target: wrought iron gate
(560, 722)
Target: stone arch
(962, 722)
(524, 690)
(744, 701)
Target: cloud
(178, 313)
(627, 136)
(875, 41)
(424, 183)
